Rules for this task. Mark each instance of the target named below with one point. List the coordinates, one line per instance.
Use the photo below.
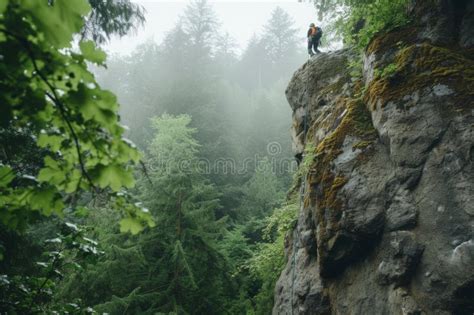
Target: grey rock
(400, 260)
(466, 38)
(442, 90)
(402, 303)
(463, 255)
(446, 22)
(402, 213)
(327, 72)
(401, 240)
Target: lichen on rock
(426, 68)
(387, 222)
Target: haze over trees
(206, 186)
(189, 215)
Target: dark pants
(313, 44)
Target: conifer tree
(176, 266)
(280, 36)
(184, 204)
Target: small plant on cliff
(356, 66)
(357, 21)
(304, 167)
(386, 72)
(308, 159)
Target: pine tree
(280, 36)
(271, 56)
(200, 24)
(184, 205)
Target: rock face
(386, 224)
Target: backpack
(319, 33)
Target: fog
(241, 19)
(224, 63)
(202, 91)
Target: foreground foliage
(48, 95)
(62, 143)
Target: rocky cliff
(386, 224)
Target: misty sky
(240, 18)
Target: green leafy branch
(53, 96)
(50, 95)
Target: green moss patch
(324, 183)
(425, 65)
(397, 37)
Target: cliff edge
(386, 224)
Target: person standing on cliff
(314, 37)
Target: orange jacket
(312, 31)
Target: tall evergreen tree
(184, 204)
(200, 24)
(279, 37)
(271, 56)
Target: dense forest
(180, 199)
(210, 162)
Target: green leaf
(131, 225)
(49, 27)
(47, 200)
(3, 6)
(74, 179)
(95, 104)
(52, 173)
(53, 141)
(126, 151)
(113, 176)
(6, 175)
(58, 22)
(92, 53)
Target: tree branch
(53, 96)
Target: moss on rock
(392, 40)
(324, 182)
(423, 66)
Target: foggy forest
(320, 163)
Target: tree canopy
(49, 94)
(358, 21)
